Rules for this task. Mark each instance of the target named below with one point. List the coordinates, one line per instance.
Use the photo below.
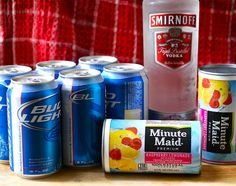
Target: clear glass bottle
(170, 57)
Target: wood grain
(210, 175)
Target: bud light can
(34, 109)
(6, 73)
(126, 91)
(83, 112)
(96, 62)
(53, 67)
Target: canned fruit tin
(96, 62)
(83, 112)
(217, 107)
(34, 109)
(6, 73)
(126, 91)
(53, 67)
(148, 146)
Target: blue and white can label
(6, 73)
(83, 112)
(34, 127)
(126, 91)
(4, 150)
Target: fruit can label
(173, 38)
(217, 113)
(152, 146)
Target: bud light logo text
(39, 112)
(81, 95)
(112, 100)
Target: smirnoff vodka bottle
(170, 57)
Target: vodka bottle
(170, 57)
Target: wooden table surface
(211, 175)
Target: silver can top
(219, 71)
(123, 68)
(13, 70)
(79, 73)
(98, 60)
(31, 79)
(55, 65)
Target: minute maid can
(146, 146)
(217, 107)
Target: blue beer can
(53, 67)
(96, 62)
(6, 73)
(83, 112)
(126, 91)
(34, 112)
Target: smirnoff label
(166, 20)
(173, 47)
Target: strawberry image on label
(206, 83)
(228, 100)
(115, 154)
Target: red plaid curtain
(38, 30)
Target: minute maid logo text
(167, 139)
(36, 114)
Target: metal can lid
(219, 71)
(98, 60)
(79, 73)
(32, 79)
(124, 68)
(55, 64)
(10, 70)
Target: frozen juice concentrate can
(143, 146)
(217, 107)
